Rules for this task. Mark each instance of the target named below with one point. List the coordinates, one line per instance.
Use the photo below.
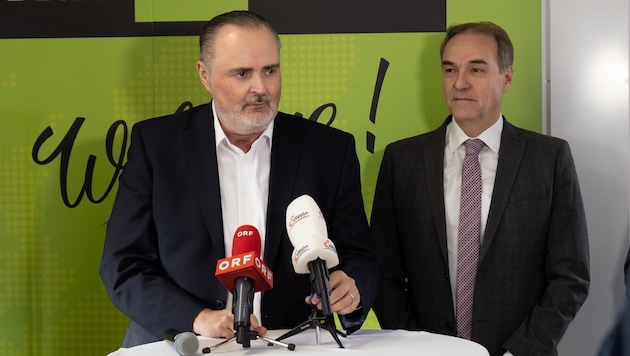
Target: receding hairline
(242, 19)
(505, 48)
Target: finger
(349, 301)
(261, 330)
(253, 321)
(339, 293)
(336, 280)
(340, 285)
(228, 333)
(228, 326)
(255, 326)
(345, 305)
(315, 300)
(342, 288)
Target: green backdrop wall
(67, 106)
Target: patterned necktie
(469, 236)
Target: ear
(507, 78)
(204, 75)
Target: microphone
(244, 273)
(313, 252)
(185, 343)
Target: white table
(363, 342)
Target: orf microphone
(313, 252)
(245, 261)
(243, 274)
(185, 343)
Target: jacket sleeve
(566, 267)
(392, 306)
(350, 232)
(131, 268)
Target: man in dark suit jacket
(532, 274)
(167, 228)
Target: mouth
(257, 105)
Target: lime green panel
(143, 10)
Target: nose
(257, 84)
(461, 81)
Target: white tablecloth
(363, 342)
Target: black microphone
(185, 343)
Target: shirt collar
(455, 136)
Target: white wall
(587, 58)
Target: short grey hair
(505, 49)
(240, 18)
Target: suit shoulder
(180, 118)
(537, 138)
(308, 128)
(414, 141)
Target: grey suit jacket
(533, 272)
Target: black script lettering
(380, 78)
(64, 150)
(318, 112)
(186, 105)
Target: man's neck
(244, 142)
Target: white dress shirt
(244, 184)
(454, 153)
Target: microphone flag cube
(247, 264)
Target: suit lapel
(510, 157)
(201, 147)
(285, 156)
(434, 165)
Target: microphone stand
(242, 310)
(318, 318)
(250, 335)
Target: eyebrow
(240, 69)
(478, 61)
(474, 61)
(249, 69)
(272, 66)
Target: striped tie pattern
(469, 236)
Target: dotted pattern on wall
(33, 281)
(20, 277)
(36, 278)
(9, 82)
(315, 71)
(167, 79)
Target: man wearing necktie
(488, 244)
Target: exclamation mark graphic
(382, 69)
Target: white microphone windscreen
(308, 233)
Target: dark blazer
(533, 273)
(165, 233)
